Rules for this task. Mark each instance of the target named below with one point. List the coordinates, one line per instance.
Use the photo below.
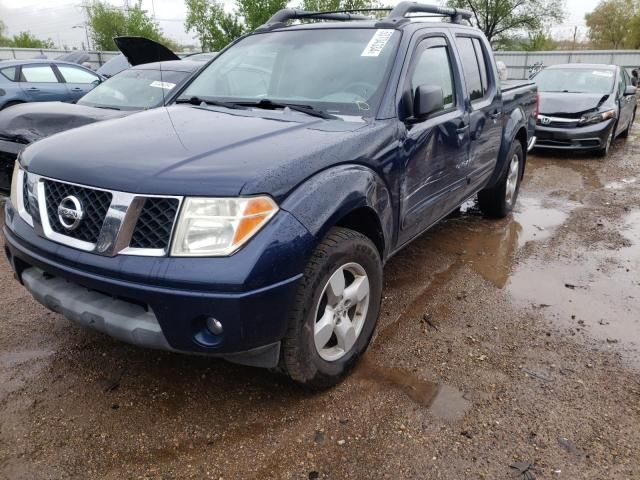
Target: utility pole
(575, 36)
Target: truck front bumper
(165, 302)
(590, 137)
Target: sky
(56, 19)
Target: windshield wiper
(270, 105)
(215, 103)
(106, 107)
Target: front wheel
(336, 310)
(604, 151)
(499, 200)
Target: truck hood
(561, 103)
(29, 122)
(186, 150)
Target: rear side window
(471, 69)
(482, 64)
(433, 67)
(76, 75)
(9, 73)
(38, 74)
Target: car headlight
(597, 117)
(210, 227)
(14, 185)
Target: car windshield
(134, 90)
(338, 71)
(575, 80)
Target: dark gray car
(584, 107)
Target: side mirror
(428, 99)
(630, 90)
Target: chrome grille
(25, 193)
(154, 225)
(95, 204)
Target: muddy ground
(501, 344)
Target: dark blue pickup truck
(252, 219)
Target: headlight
(597, 117)
(219, 226)
(14, 185)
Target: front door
(435, 148)
(484, 106)
(79, 81)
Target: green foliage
(257, 12)
(214, 27)
(22, 40)
(614, 24)
(501, 20)
(329, 5)
(27, 40)
(107, 22)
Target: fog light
(214, 326)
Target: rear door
(484, 104)
(79, 80)
(40, 83)
(436, 148)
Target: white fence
(97, 59)
(518, 63)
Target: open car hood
(140, 50)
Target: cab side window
(471, 67)
(433, 67)
(622, 84)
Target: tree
(257, 12)
(4, 41)
(502, 19)
(613, 24)
(27, 40)
(330, 5)
(107, 22)
(214, 27)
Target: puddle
(443, 401)
(620, 185)
(537, 222)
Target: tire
(603, 152)
(625, 134)
(318, 314)
(499, 200)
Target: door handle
(33, 89)
(76, 89)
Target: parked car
(252, 220)
(147, 85)
(584, 107)
(23, 81)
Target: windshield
(134, 90)
(575, 80)
(339, 71)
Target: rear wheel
(336, 310)
(499, 200)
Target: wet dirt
(498, 342)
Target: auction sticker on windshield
(165, 85)
(377, 42)
(602, 73)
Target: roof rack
(281, 17)
(398, 15)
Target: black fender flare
(516, 121)
(323, 199)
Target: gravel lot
(501, 344)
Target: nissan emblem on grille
(70, 212)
